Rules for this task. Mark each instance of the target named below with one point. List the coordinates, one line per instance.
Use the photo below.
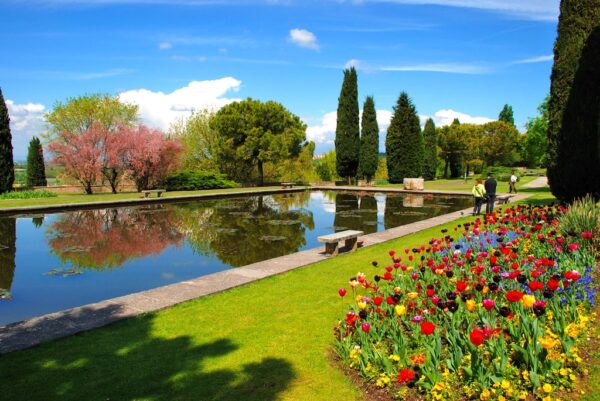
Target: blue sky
(464, 58)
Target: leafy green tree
(7, 167)
(369, 141)
(506, 115)
(404, 142)
(325, 167)
(430, 161)
(472, 137)
(577, 20)
(500, 140)
(36, 170)
(347, 131)
(252, 133)
(536, 138)
(199, 142)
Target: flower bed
(494, 310)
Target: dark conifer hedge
(7, 168)
(347, 132)
(369, 141)
(36, 171)
(430, 160)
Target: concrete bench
(288, 184)
(332, 241)
(158, 192)
(503, 199)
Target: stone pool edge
(28, 333)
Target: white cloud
(446, 117)
(159, 109)
(539, 59)
(26, 121)
(451, 68)
(165, 45)
(545, 10)
(304, 38)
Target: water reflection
(244, 231)
(108, 238)
(8, 252)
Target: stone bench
(287, 184)
(332, 241)
(158, 192)
(503, 199)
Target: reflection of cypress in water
(8, 252)
(368, 213)
(37, 221)
(346, 212)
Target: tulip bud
(342, 292)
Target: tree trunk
(88, 188)
(261, 178)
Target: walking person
(478, 192)
(490, 189)
(512, 183)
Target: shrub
(194, 180)
(28, 195)
(500, 173)
(583, 217)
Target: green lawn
(462, 185)
(107, 197)
(268, 340)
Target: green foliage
(36, 170)
(196, 180)
(200, 142)
(536, 138)
(500, 140)
(251, 133)
(325, 167)
(577, 20)
(506, 115)
(29, 194)
(500, 173)
(369, 141)
(577, 168)
(347, 132)
(584, 215)
(453, 148)
(430, 161)
(7, 173)
(382, 173)
(298, 169)
(78, 114)
(404, 142)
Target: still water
(58, 261)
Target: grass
(462, 185)
(268, 340)
(108, 197)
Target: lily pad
(65, 272)
(284, 222)
(5, 295)
(272, 238)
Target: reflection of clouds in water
(380, 198)
(168, 276)
(327, 205)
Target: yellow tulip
(528, 301)
(471, 305)
(400, 310)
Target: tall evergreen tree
(506, 115)
(404, 142)
(7, 168)
(369, 141)
(577, 20)
(347, 131)
(36, 171)
(430, 160)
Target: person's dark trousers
(478, 203)
(513, 187)
(490, 203)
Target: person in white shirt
(512, 184)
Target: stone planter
(414, 184)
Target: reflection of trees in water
(108, 238)
(347, 216)
(292, 200)
(244, 231)
(368, 214)
(8, 251)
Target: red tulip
(488, 304)
(342, 292)
(514, 296)
(377, 301)
(476, 337)
(405, 376)
(427, 328)
(366, 327)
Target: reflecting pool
(58, 261)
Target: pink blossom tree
(150, 155)
(80, 154)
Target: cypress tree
(36, 171)
(506, 115)
(577, 20)
(7, 168)
(8, 244)
(347, 131)
(404, 142)
(369, 140)
(430, 160)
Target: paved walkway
(28, 333)
(537, 183)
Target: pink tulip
(488, 304)
(365, 327)
(342, 292)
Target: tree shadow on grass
(124, 362)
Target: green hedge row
(195, 180)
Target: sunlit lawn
(462, 185)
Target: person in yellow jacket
(478, 192)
